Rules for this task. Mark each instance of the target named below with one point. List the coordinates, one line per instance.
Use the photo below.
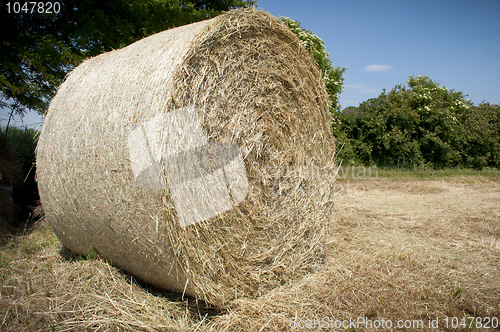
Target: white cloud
(360, 88)
(377, 68)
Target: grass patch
(363, 172)
(426, 173)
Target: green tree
(332, 76)
(422, 123)
(38, 50)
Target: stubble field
(403, 254)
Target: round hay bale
(199, 159)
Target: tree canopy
(38, 49)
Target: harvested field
(406, 251)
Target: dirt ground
(414, 255)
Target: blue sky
(455, 42)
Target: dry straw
(252, 85)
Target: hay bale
(199, 159)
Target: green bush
(22, 141)
(17, 160)
(422, 124)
